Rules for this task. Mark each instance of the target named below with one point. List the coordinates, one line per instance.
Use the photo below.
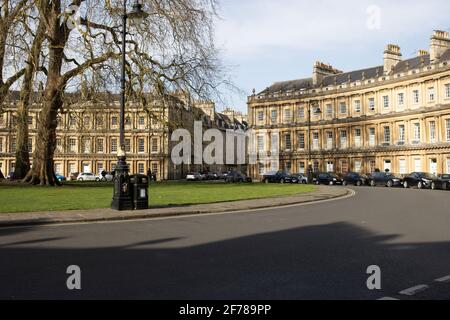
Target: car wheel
(97, 180)
(266, 181)
(444, 186)
(359, 183)
(344, 183)
(420, 185)
(282, 181)
(372, 183)
(433, 186)
(390, 184)
(317, 182)
(81, 179)
(331, 183)
(405, 185)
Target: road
(315, 251)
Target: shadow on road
(316, 262)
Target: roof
(353, 76)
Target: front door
(433, 166)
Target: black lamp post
(122, 199)
(317, 111)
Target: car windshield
(426, 175)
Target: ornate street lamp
(122, 199)
(317, 111)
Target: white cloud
(255, 26)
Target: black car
(386, 179)
(276, 177)
(442, 183)
(237, 177)
(328, 179)
(355, 179)
(421, 180)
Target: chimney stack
(321, 70)
(440, 42)
(422, 53)
(392, 56)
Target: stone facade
(395, 116)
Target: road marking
(443, 279)
(351, 194)
(388, 299)
(412, 291)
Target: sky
(265, 41)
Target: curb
(180, 212)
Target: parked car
(74, 176)
(356, 179)
(443, 182)
(421, 180)
(194, 176)
(86, 177)
(60, 177)
(297, 178)
(276, 177)
(108, 177)
(237, 177)
(385, 179)
(328, 179)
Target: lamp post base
(122, 199)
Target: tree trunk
(42, 173)
(22, 153)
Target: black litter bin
(139, 184)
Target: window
(287, 115)
(447, 129)
(114, 121)
(416, 132)
(72, 121)
(100, 121)
(417, 165)
(274, 147)
(431, 94)
(287, 141)
(30, 145)
(301, 113)
(416, 96)
(30, 120)
(357, 137)
(343, 108)
(142, 121)
(387, 135)
(274, 115)
(372, 137)
(100, 167)
(316, 166)
(448, 165)
(344, 166)
(357, 106)
(1, 144)
(288, 167)
(385, 101)
(372, 165)
(329, 140)
(401, 99)
(343, 139)
(402, 166)
(141, 168)
(155, 168)
(358, 165)
(58, 168)
(100, 148)
(2, 120)
(330, 166)
(301, 167)
(87, 121)
(59, 145)
(432, 131)
(401, 133)
(260, 116)
(72, 168)
(447, 91)
(329, 110)
(372, 104)
(155, 145)
(260, 143)
(128, 121)
(315, 145)
(86, 145)
(113, 145)
(141, 145)
(12, 145)
(301, 140)
(72, 145)
(127, 145)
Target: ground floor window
(316, 166)
(155, 168)
(402, 166)
(433, 166)
(58, 168)
(448, 165)
(358, 166)
(72, 168)
(261, 168)
(330, 166)
(344, 166)
(100, 167)
(301, 167)
(141, 168)
(417, 165)
(372, 166)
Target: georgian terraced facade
(395, 116)
(88, 135)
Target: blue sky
(275, 40)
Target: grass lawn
(74, 196)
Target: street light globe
(137, 15)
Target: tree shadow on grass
(315, 262)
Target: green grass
(77, 196)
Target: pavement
(320, 250)
(97, 215)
